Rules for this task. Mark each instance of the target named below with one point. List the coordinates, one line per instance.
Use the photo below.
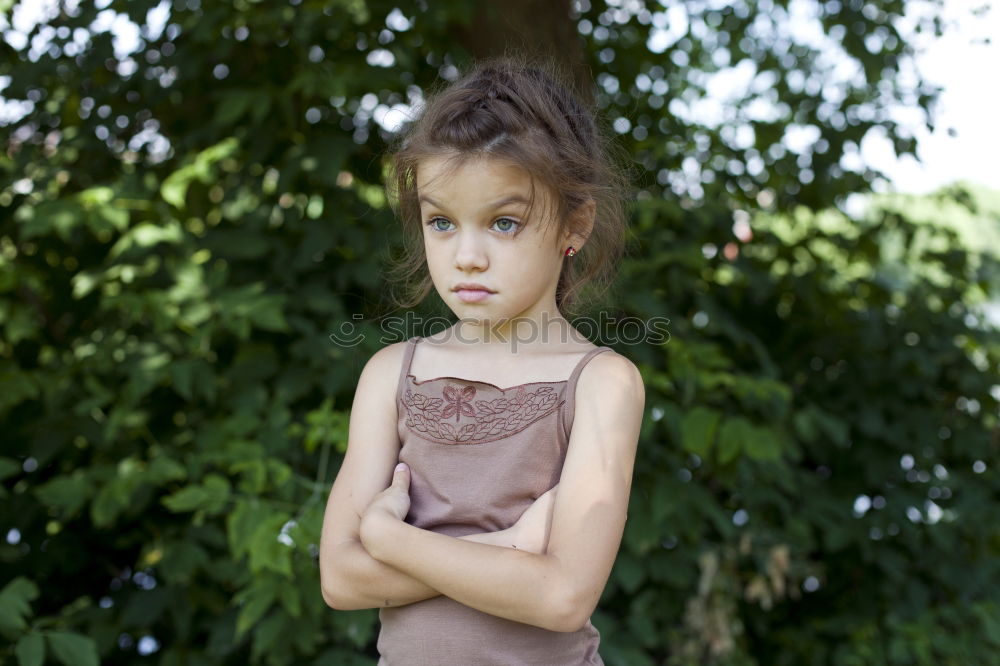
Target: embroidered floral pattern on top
(431, 416)
(458, 402)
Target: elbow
(569, 622)
(334, 597)
(343, 579)
(570, 613)
(338, 597)
(335, 590)
(334, 594)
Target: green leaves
(698, 427)
(763, 443)
(116, 494)
(59, 217)
(736, 435)
(254, 602)
(253, 529)
(181, 561)
(201, 168)
(731, 438)
(8, 467)
(15, 605)
(145, 236)
(210, 496)
(30, 650)
(72, 649)
(66, 493)
(94, 209)
(243, 308)
(812, 422)
(326, 426)
(629, 572)
(235, 103)
(69, 648)
(240, 525)
(177, 244)
(267, 552)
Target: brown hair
(521, 111)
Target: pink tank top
(479, 455)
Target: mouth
(472, 286)
(472, 293)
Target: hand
(393, 503)
(531, 531)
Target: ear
(581, 224)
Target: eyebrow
(503, 201)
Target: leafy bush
(183, 228)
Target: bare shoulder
(387, 362)
(610, 373)
(610, 400)
(390, 355)
(380, 377)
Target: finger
(401, 475)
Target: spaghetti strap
(569, 408)
(411, 344)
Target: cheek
(432, 250)
(436, 262)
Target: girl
(467, 546)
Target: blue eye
(432, 225)
(511, 230)
(508, 230)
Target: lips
(472, 286)
(472, 292)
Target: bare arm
(364, 582)
(558, 589)
(350, 578)
(377, 584)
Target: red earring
(570, 251)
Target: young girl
(492, 539)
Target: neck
(524, 332)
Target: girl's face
(476, 231)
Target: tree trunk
(535, 27)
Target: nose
(470, 252)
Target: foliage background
(183, 227)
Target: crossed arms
(370, 557)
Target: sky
(965, 143)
